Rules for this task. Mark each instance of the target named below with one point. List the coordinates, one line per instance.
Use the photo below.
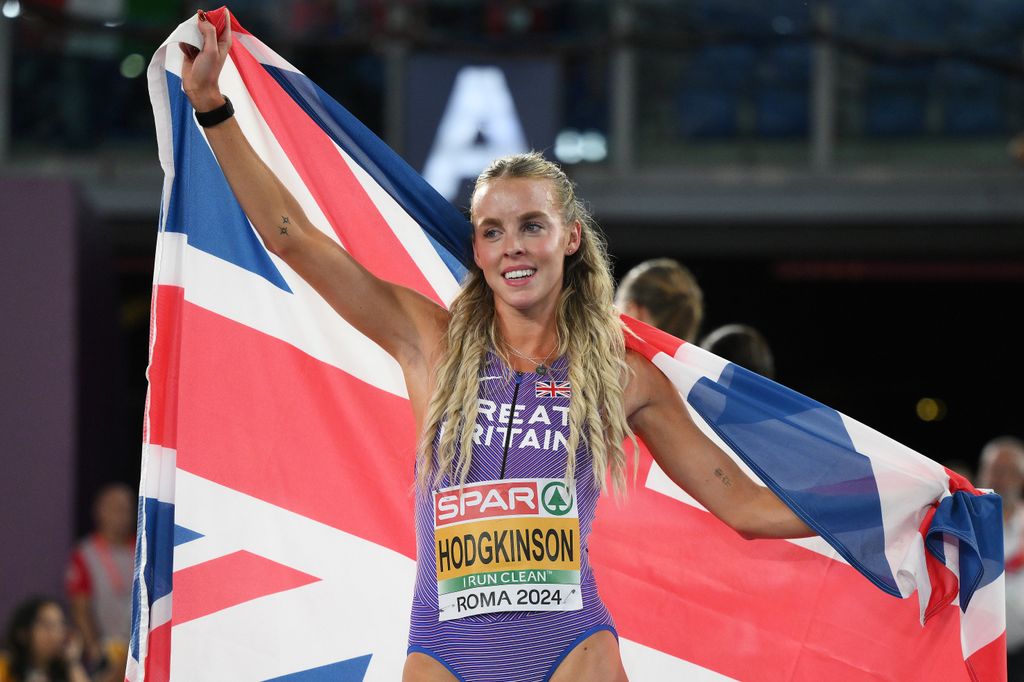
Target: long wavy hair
(590, 334)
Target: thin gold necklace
(542, 367)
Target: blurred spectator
(39, 646)
(665, 294)
(742, 345)
(99, 578)
(1002, 470)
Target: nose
(513, 243)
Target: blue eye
(490, 233)
(532, 227)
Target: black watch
(215, 116)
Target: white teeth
(519, 274)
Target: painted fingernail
(202, 15)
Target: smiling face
(520, 241)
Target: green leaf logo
(556, 498)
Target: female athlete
(523, 393)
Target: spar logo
(486, 500)
(556, 498)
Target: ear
(575, 237)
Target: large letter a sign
(479, 125)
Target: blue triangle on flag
(352, 670)
(202, 205)
(752, 414)
(183, 535)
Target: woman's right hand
(200, 70)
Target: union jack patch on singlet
(553, 389)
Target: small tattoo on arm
(284, 224)
(726, 481)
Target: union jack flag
(275, 532)
(553, 389)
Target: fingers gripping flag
(275, 521)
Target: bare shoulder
(644, 383)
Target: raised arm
(406, 324)
(698, 466)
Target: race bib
(511, 545)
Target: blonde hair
(589, 333)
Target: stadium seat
(782, 94)
(896, 99)
(973, 100)
(711, 89)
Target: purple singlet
(524, 646)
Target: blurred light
(133, 65)
(572, 146)
(12, 8)
(593, 146)
(114, 24)
(567, 146)
(931, 409)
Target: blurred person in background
(1002, 469)
(743, 345)
(99, 578)
(664, 294)
(40, 648)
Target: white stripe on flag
(263, 54)
(302, 319)
(708, 364)
(171, 248)
(160, 611)
(201, 550)
(907, 485)
(266, 146)
(239, 521)
(303, 627)
(985, 619)
(914, 571)
(159, 484)
(408, 232)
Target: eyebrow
(532, 215)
